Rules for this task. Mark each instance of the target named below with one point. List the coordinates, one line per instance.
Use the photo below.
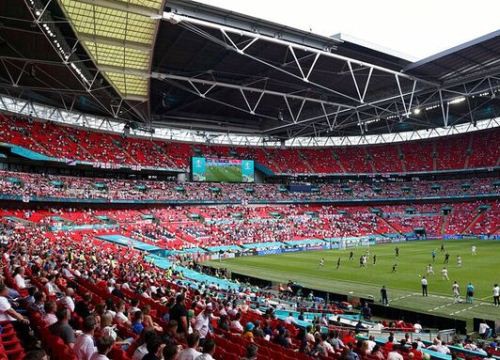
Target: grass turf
(403, 285)
(224, 173)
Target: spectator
(377, 353)
(348, 353)
(82, 307)
(251, 352)
(394, 353)
(62, 328)
(120, 317)
(19, 279)
(36, 355)
(484, 329)
(170, 352)
(202, 321)
(104, 345)
(50, 313)
(84, 345)
(208, 350)
(7, 313)
(248, 333)
(417, 353)
(146, 337)
(179, 313)
(191, 352)
(67, 301)
(155, 349)
(137, 326)
(333, 339)
(236, 325)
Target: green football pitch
(224, 173)
(404, 288)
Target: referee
(424, 286)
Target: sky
(417, 28)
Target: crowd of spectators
(55, 186)
(180, 227)
(84, 298)
(75, 143)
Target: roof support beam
(177, 18)
(195, 80)
(123, 70)
(114, 42)
(124, 6)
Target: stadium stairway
(80, 146)
(369, 159)
(468, 152)
(305, 161)
(391, 226)
(124, 150)
(337, 160)
(161, 150)
(434, 157)
(444, 224)
(475, 219)
(272, 163)
(401, 157)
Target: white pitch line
(401, 297)
(466, 309)
(440, 307)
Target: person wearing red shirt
(417, 354)
(349, 338)
(389, 344)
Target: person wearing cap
(202, 322)
(248, 332)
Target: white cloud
(419, 28)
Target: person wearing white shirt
(483, 329)
(50, 317)
(107, 327)
(371, 343)
(496, 295)
(202, 321)
(236, 325)
(424, 286)
(394, 354)
(7, 313)
(417, 327)
(19, 278)
(84, 346)
(66, 272)
(329, 348)
(290, 319)
(51, 288)
(67, 301)
(190, 353)
(208, 351)
(104, 345)
(121, 318)
(439, 347)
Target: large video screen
(222, 170)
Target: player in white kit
(444, 274)
(456, 292)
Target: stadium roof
(186, 65)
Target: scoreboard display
(222, 170)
